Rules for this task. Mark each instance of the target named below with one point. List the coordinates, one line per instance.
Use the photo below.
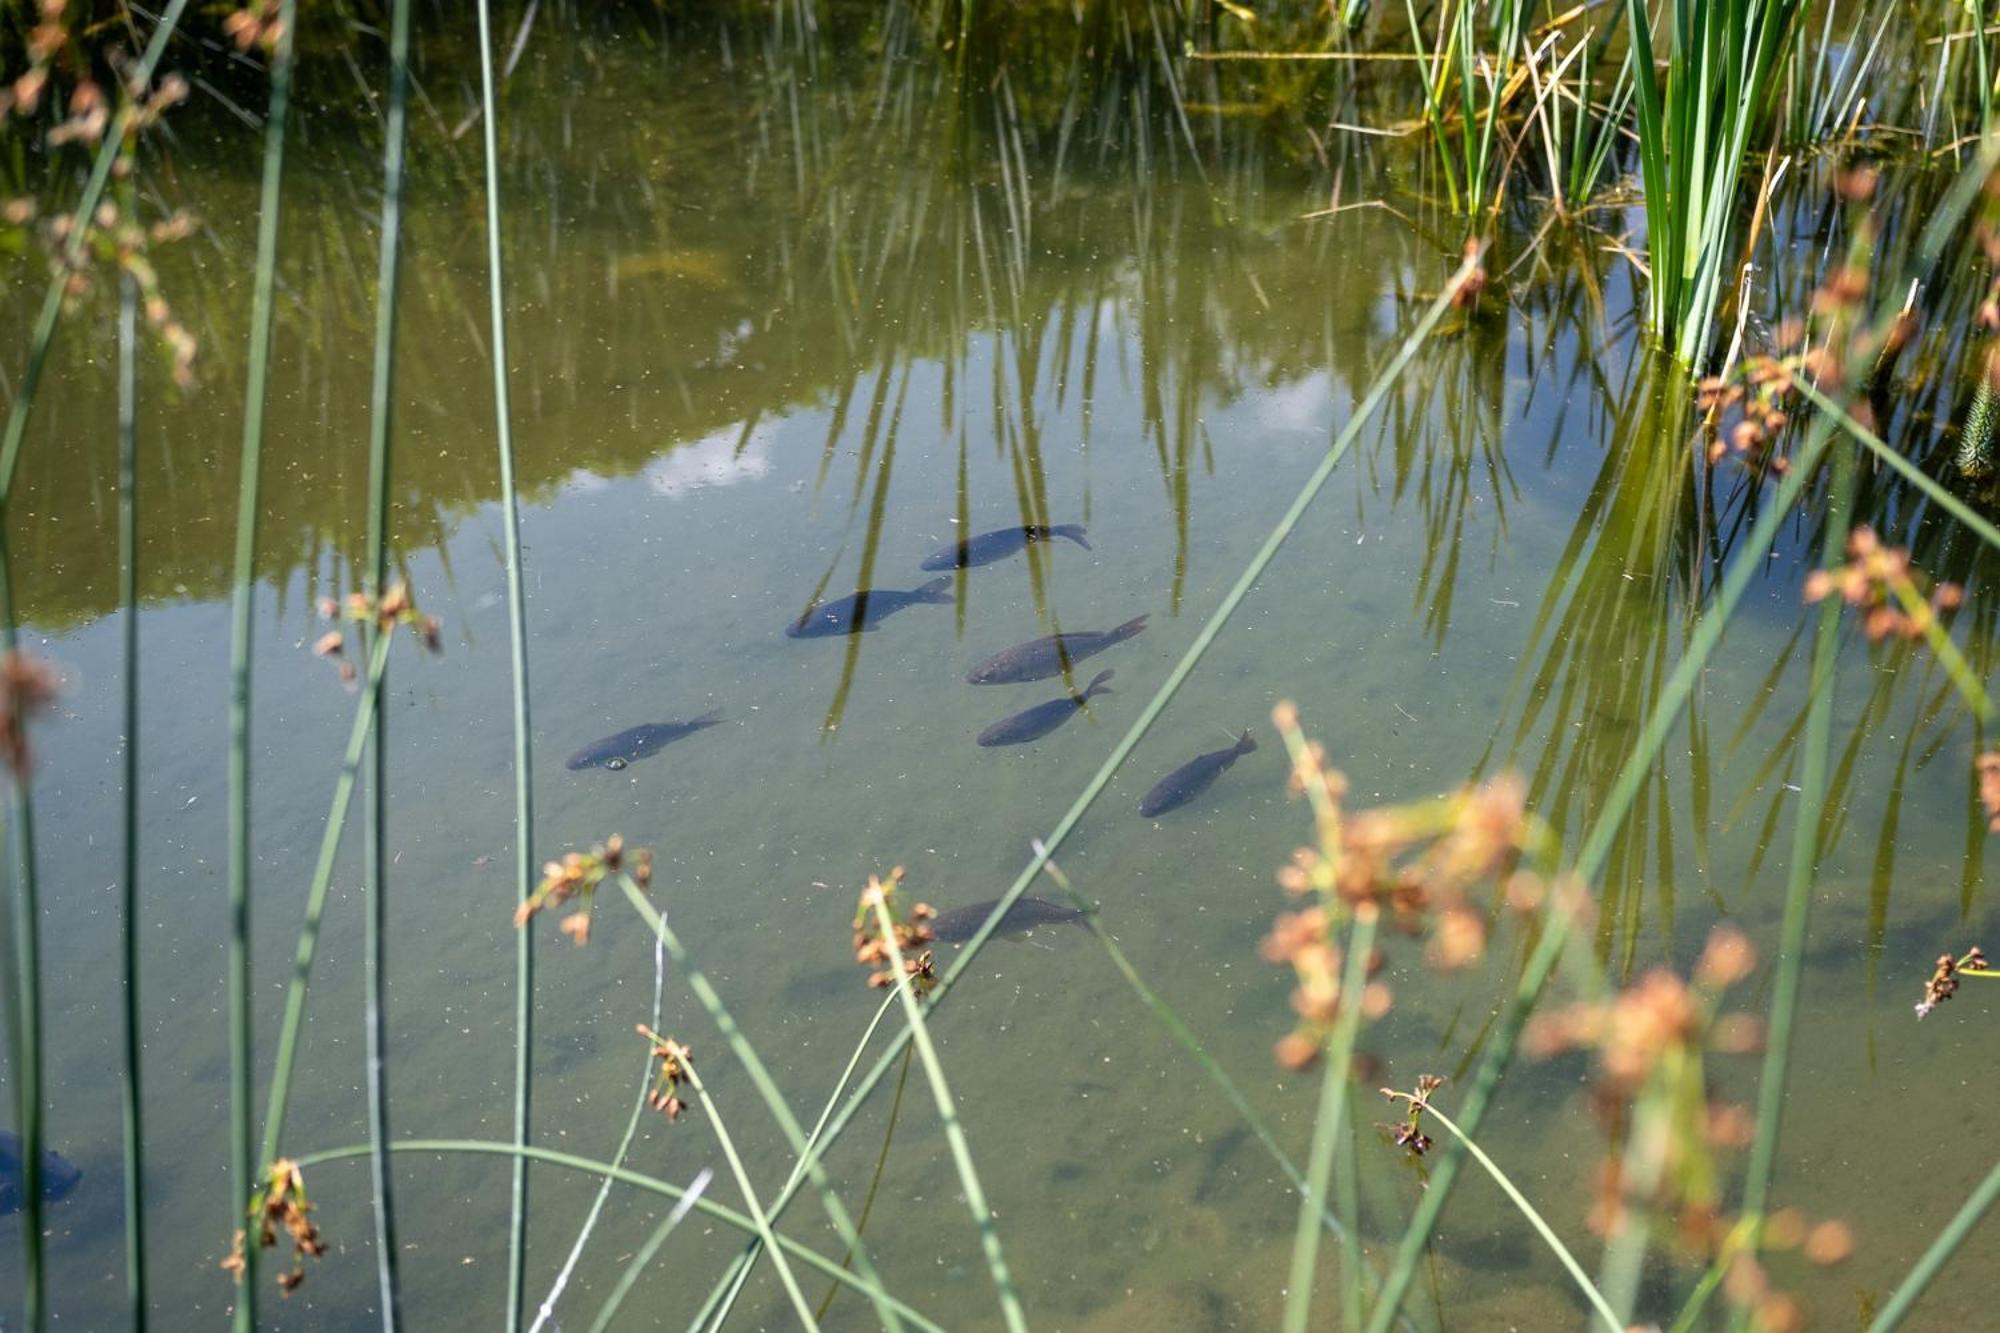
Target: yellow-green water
(746, 369)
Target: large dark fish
(1042, 658)
(961, 923)
(59, 1175)
(1034, 723)
(1192, 778)
(635, 743)
(999, 544)
(864, 610)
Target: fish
(1041, 658)
(635, 743)
(961, 923)
(999, 544)
(1192, 778)
(1034, 723)
(60, 1176)
(864, 610)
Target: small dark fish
(864, 610)
(635, 743)
(1034, 723)
(60, 1176)
(1042, 658)
(961, 923)
(999, 544)
(1192, 778)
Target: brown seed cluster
(260, 23)
(912, 934)
(281, 1205)
(27, 687)
(1879, 580)
(577, 875)
(1988, 768)
(395, 607)
(1418, 864)
(1410, 1132)
(1759, 398)
(1945, 977)
(673, 1057)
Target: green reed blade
(625, 1176)
(1371, 400)
(374, 813)
(786, 1277)
(723, 1295)
(954, 1132)
(243, 1168)
(767, 1088)
(1747, 567)
(1535, 1219)
(517, 638)
(329, 847)
(1939, 1254)
(630, 1276)
(547, 1309)
(1804, 862)
(128, 878)
(1328, 1125)
(39, 340)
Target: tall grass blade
(517, 639)
(1939, 1254)
(128, 876)
(243, 1168)
(954, 1132)
(675, 1216)
(382, 402)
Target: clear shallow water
(746, 371)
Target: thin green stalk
(374, 813)
(954, 1132)
(1329, 1124)
(1939, 1254)
(279, 1101)
(1371, 401)
(1535, 1219)
(625, 1176)
(128, 923)
(50, 314)
(767, 1087)
(658, 1238)
(517, 638)
(1748, 566)
(1804, 864)
(243, 1168)
(786, 1278)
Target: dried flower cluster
(673, 1057)
(394, 608)
(912, 933)
(577, 875)
(1418, 863)
(1944, 977)
(27, 687)
(1879, 580)
(1760, 396)
(1988, 768)
(280, 1205)
(1410, 1134)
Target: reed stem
(128, 878)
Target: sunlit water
(743, 374)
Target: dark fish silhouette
(999, 544)
(635, 743)
(864, 610)
(1192, 778)
(1034, 723)
(1042, 658)
(60, 1176)
(961, 923)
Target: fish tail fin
(1129, 628)
(937, 590)
(1073, 531)
(1098, 683)
(1247, 743)
(708, 719)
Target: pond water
(781, 327)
